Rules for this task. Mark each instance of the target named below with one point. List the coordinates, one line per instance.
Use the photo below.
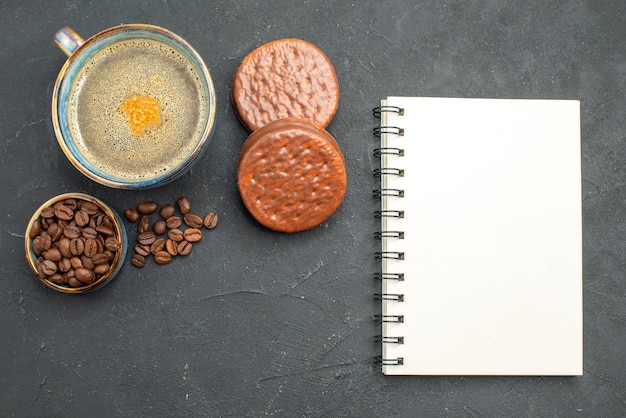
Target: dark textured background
(258, 323)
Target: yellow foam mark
(142, 112)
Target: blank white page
(493, 237)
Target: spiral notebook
(481, 236)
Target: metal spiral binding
(389, 234)
(389, 318)
(389, 361)
(389, 276)
(398, 297)
(389, 340)
(388, 192)
(389, 213)
(388, 171)
(395, 255)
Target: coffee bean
(76, 262)
(55, 231)
(35, 230)
(175, 235)
(90, 207)
(132, 215)
(144, 224)
(64, 212)
(57, 278)
(173, 222)
(159, 227)
(192, 234)
(84, 275)
(184, 248)
(105, 230)
(91, 247)
(90, 233)
(53, 254)
(146, 238)
(142, 250)
(77, 246)
(82, 218)
(100, 258)
(162, 257)
(138, 260)
(157, 245)
(74, 282)
(48, 267)
(193, 221)
(102, 269)
(47, 213)
(87, 262)
(42, 242)
(167, 211)
(184, 205)
(147, 207)
(64, 247)
(112, 244)
(64, 265)
(210, 220)
(71, 203)
(170, 247)
(72, 231)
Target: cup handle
(68, 40)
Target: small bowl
(116, 263)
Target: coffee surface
(102, 129)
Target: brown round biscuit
(285, 78)
(291, 175)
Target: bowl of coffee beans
(75, 243)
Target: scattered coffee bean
(144, 224)
(210, 220)
(167, 211)
(184, 205)
(159, 227)
(181, 231)
(192, 235)
(132, 215)
(184, 248)
(143, 250)
(193, 221)
(175, 234)
(146, 238)
(157, 245)
(170, 247)
(173, 222)
(162, 257)
(68, 237)
(147, 207)
(138, 260)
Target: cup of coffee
(134, 106)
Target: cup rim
(117, 262)
(202, 143)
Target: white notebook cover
(492, 237)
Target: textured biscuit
(285, 78)
(291, 175)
